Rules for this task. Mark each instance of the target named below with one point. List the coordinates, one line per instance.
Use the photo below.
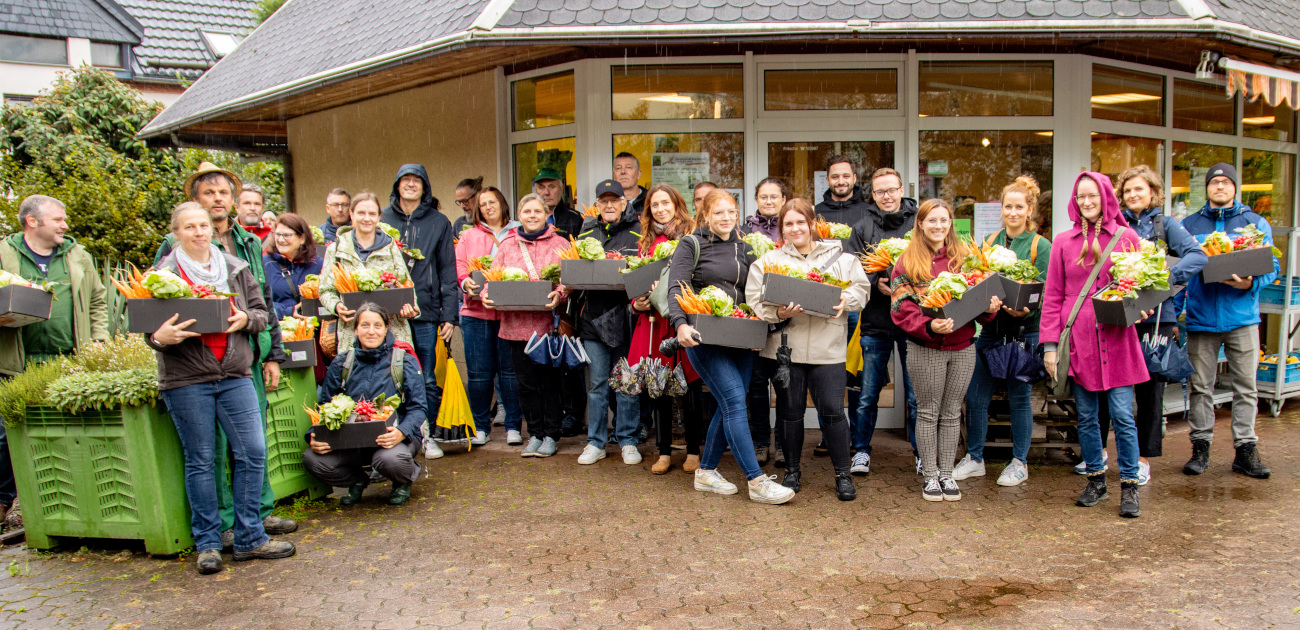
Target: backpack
(395, 366)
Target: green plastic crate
(286, 424)
(113, 473)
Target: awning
(1274, 85)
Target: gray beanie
(1221, 170)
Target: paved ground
(495, 541)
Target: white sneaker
(480, 439)
(591, 454)
(861, 464)
(1082, 467)
(1014, 474)
(967, 468)
(919, 470)
(631, 455)
(712, 481)
(534, 444)
(1144, 473)
(514, 438)
(431, 450)
(765, 489)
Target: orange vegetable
(493, 274)
(343, 282)
(310, 289)
(936, 299)
(589, 211)
(876, 260)
(572, 252)
(691, 303)
(313, 414)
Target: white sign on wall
(819, 187)
(988, 219)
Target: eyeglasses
(337, 206)
(281, 236)
(1220, 183)
(462, 203)
(888, 192)
(1086, 198)
(609, 203)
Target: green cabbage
(761, 244)
(317, 235)
(718, 300)
(368, 279)
(551, 272)
(664, 250)
(954, 283)
(591, 249)
(166, 285)
(839, 230)
(514, 274)
(335, 412)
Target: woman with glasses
(289, 257)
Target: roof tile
(895, 11)
(726, 14)
(839, 11)
(617, 15)
(1011, 9)
(589, 16)
(603, 5)
(954, 10)
(699, 14)
(867, 11)
(925, 11)
(983, 9)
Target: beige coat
(812, 339)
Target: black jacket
(848, 212)
(877, 226)
(568, 222)
(605, 316)
(635, 206)
(429, 231)
(372, 376)
(724, 263)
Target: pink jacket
(476, 241)
(520, 325)
(1102, 357)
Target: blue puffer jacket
(279, 273)
(372, 376)
(1217, 307)
(1181, 244)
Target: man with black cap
(1225, 314)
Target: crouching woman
(364, 373)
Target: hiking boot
(1095, 491)
(400, 494)
(765, 489)
(712, 481)
(209, 562)
(270, 550)
(1128, 499)
(791, 479)
(1200, 458)
(780, 458)
(354, 493)
(861, 463)
(228, 540)
(844, 488)
(967, 468)
(762, 454)
(276, 526)
(1247, 462)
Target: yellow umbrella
(455, 420)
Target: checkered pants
(939, 378)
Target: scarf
(214, 274)
(531, 236)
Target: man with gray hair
(43, 252)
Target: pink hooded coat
(520, 325)
(1102, 357)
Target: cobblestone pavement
(494, 541)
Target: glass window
(1261, 120)
(25, 49)
(1268, 184)
(543, 101)
(787, 90)
(554, 154)
(1191, 162)
(1113, 154)
(1128, 96)
(685, 159)
(105, 55)
(221, 44)
(980, 88)
(803, 164)
(970, 167)
(1203, 107)
(663, 92)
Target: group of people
(214, 384)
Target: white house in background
(157, 46)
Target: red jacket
(651, 329)
(475, 242)
(906, 309)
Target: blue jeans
(1120, 402)
(980, 394)
(627, 408)
(196, 411)
(8, 488)
(487, 358)
(876, 353)
(425, 335)
(726, 372)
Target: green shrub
(74, 393)
(28, 388)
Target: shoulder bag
(659, 296)
(1058, 383)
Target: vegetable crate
(972, 303)
(520, 295)
(311, 307)
(1245, 262)
(351, 435)
(392, 300)
(1267, 372)
(478, 278)
(641, 280)
(816, 298)
(731, 332)
(1128, 311)
(1021, 295)
(286, 428)
(145, 315)
(592, 275)
(301, 354)
(20, 306)
(111, 473)
(1276, 293)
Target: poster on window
(819, 187)
(988, 219)
(679, 170)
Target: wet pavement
(491, 540)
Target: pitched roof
(172, 46)
(1281, 17)
(100, 20)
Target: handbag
(659, 295)
(1058, 383)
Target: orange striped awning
(1254, 81)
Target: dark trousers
(759, 404)
(692, 419)
(344, 468)
(537, 393)
(9, 489)
(826, 385)
(1150, 397)
(572, 386)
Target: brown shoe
(691, 464)
(662, 465)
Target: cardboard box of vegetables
(1245, 254)
(510, 289)
(386, 289)
(587, 266)
(642, 272)
(23, 302)
(344, 423)
(1140, 283)
(310, 305)
(720, 321)
(838, 232)
(961, 297)
(816, 292)
(153, 298)
(299, 338)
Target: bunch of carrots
(476, 264)
(572, 252)
(589, 212)
(823, 228)
(876, 260)
(769, 267)
(691, 303)
(493, 274)
(936, 299)
(133, 288)
(310, 289)
(343, 282)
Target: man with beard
(249, 211)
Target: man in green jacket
(43, 253)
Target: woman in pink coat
(1105, 361)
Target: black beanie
(1221, 170)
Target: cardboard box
(392, 300)
(210, 315)
(1021, 295)
(972, 303)
(352, 434)
(1246, 262)
(20, 306)
(301, 354)
(1128, 311)
(478, 278)
(732, 332)
(311, 307)
(520, 295)
(641, 280)
(592, 275)
(815, 298)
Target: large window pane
(543, 101)
(1203, 107)
(688, 91)
(23, 49)
(685, 159)
(785, 90)
(1268, 184)
(1261, 120)
(1128, 96)
(553, 154)
(1191, 163)
(979, 88)
(1113, 154)
(970, 167)
(803, 164)
(106, 55)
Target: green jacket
(1036, 249)
(89, 300)
(343, 251)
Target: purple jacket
(764, 225)
(1102, 357)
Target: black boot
(1200, 458)
(844, 487)
(791, 479)
(1096, 491)
(401, 492)
(1128, 499)
(354, 493)
(1247, 462)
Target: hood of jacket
(835, 204)
(764, 224)
(890, 221)
(427, 201)
(1237, 208)
(1112, 217)
(375, 355)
